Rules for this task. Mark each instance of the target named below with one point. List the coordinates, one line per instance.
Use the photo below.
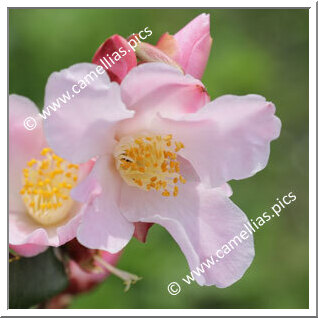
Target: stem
(128, 278)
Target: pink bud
(116, 57)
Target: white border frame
(312, 164)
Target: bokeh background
(254, 51)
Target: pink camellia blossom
(41, 211)
(164, 154)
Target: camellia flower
(164, 155)
(41, 211)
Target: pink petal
(168, 44)
(202, 221)
(83, 128)
(226, 189)
(128, 59)
(24, 230)
(194, 45)
(103, 226)
(28, 250)
(151, 87)
(23, 144)
(227, 139)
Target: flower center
(150, 162)
(46, 187)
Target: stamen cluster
(46, 187)
(150, 163)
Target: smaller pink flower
(41, 211)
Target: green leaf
(35, 279)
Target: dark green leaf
(35, 279)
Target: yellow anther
(166, 193)
(72, 166)
(139, 182)
(182, 180)
(32, 162)
(45, 151)
(164, 166)
(179, 146)
(175, 191)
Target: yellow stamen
(150, 163)
(46, 188)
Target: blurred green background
(253, 51)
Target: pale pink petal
(28, 250)
(84, 126)
(152, 87)
(194, 45)
(226, 189)
(24, 230)
(103, 226)
(123, 64)
(202, 221)
(227, 139)
(23, 144)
